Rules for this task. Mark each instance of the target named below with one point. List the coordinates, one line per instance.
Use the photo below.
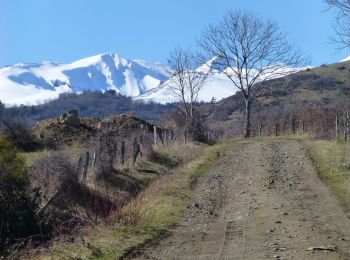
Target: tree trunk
(247, 118)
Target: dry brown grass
(157, 208)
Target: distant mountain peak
(33, 83)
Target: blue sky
(66, 30)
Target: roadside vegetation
(17, 202)
(332, 161)
(149, 215)
(99, 187)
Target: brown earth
(56, 133)
(262, 200)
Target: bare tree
(248, 50)
(342, 23)
(186, 79)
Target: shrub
(17, 208)
(57, 177)
(53, 173)
(19, 133)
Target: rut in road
(261, 200)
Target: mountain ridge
(38, 83)
(35, 83)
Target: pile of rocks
(70, 118)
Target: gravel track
(262, 200)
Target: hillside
(91, 104)
(325, 86)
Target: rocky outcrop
(70, 118)
(69, 129)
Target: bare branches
(342, 22)
(342, 5)
(187, 79)
(249, 50)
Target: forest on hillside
(90, 104)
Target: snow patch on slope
(346, 59)
(216, 87)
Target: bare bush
(53, 172)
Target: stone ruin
(70, 118)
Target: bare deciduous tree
(342, 23)
(186, 79)
(248, 50)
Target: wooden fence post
(293, 125)
(115, 150)
(93, 162)
(172, 135)
(122, 153)
(140, 145)
(346, 127)
(155, 136)
(166, 137)
(136, 150)
(260, 129)
(86, 166)
(80, 168)
(161, 135)
(336, 128)
(276, 129)
(303, 127)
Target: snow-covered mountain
(216, 87)
(30, 84)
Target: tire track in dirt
(262, 200)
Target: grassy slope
(323, 85)
(155, 210)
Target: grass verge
(332, 160)
(158, 208)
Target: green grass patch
(332, 160)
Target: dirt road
(262, 200)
